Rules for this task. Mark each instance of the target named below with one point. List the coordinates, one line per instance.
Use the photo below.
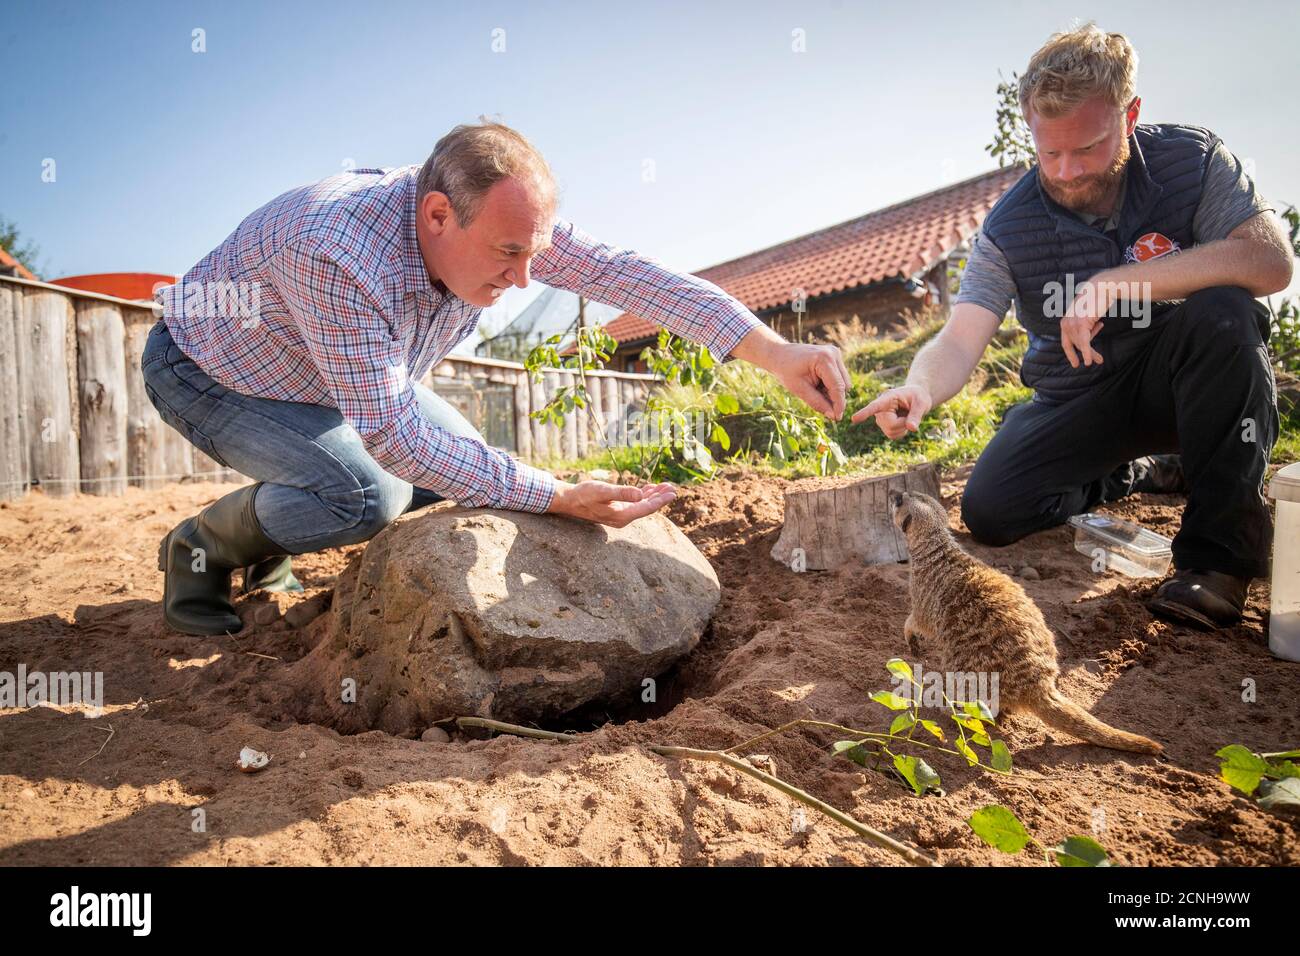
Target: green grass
(1287, 449)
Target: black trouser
(1203, 387)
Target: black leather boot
(1160, 474)
(1203, 599)
(198, 556)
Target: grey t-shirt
(1228, 199)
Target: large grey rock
(503, 614)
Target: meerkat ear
(907, 523)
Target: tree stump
(827, 527)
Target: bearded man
(1134, 254)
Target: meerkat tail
(1057, 710)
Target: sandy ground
(81, 593)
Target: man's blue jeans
(321, 488)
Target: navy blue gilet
(1044, 244)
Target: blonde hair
(472, 158)
(1075, 66)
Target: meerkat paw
(911, 633)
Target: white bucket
(1284, 615)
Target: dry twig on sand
(110, 731)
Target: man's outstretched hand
(815, 373)
(604, 503)
(898, 410)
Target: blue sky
(160, 151)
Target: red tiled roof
(9, 262)
(899, 241)
(631, 328)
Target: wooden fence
(74, 415)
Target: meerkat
(982, 621)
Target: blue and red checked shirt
(321, 296)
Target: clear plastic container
(1128, 548)
(1284, 612)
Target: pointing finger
(874, 407)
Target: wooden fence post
(612, 426)
(628, 388)
(593, 424)
(551, 384)
(537, 389)
(101, 374)
(50, 354)
(581, 415)
(568, 380)
(204, 467)
(179, 464)
(523, 406)
(146, 448)
(13, 418)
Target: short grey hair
(472, 158)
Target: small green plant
(973, 723)
(767, 420)
(1273, 778)
(1013, 144)
(592, 349)
(673, 428)
(1291, 216)
(999, 828)
(1284, 340)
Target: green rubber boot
(198, 556)
(273, 574)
